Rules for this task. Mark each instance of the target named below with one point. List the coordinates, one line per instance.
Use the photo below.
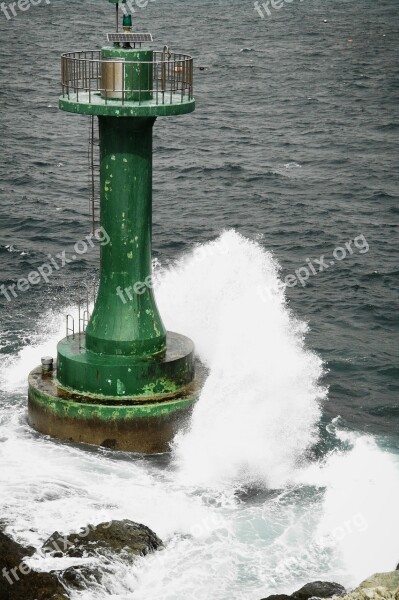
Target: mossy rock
(390, 581)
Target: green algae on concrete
(146, 427)
(118, 376)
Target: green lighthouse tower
(123, 381)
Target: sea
(275, 242)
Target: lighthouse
(120, 380)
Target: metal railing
(167, 79)
(84, 297)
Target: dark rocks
(80, 578)
(278, 597)
(317, 589)
(124, 538)
(18, 582)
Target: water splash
(359, 507)
(263, 383)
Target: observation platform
(106, 83)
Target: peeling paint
(120, 386)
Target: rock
(124, 538)
(372, 594)
(318, 589)
(278, 597)
(18, 582)
(390, 581)
(382, 586)
(311, 591)
(80, 578)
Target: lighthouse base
(129, 424)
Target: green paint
(135, 74)
(87, 372)
(86, 410)
(126, 212)
(125, 372)
(148, 108)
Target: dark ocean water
(294, 143)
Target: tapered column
(125, 319)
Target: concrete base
(128, 424)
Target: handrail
(171, 75)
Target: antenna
(116, 2)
